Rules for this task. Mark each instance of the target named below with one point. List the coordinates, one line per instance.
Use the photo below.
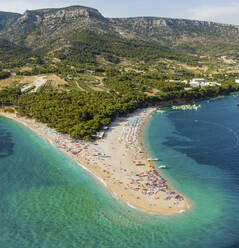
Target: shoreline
(142, 187)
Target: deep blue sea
(47, 200)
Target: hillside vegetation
(98, 68)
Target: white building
(196, 82)
(237, 81)
(201, 82)
(214, 84)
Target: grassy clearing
(14, 81)
(11, 82)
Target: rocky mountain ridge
(34, 28)
(53, 27)
(169, 29)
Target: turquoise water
(47, 200)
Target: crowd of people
(137, 176)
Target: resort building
(201, 82)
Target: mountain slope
(173, 30)
(6, 19)
(37, 27)
(54, 29)
(186, 35)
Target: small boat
(153, 159)
(162, 167)
(238, 105)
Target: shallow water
(47, 200)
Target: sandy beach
(120, 163)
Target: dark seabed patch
(6, 143)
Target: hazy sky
(223, 11)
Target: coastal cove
(119, 131)
(51, 189)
